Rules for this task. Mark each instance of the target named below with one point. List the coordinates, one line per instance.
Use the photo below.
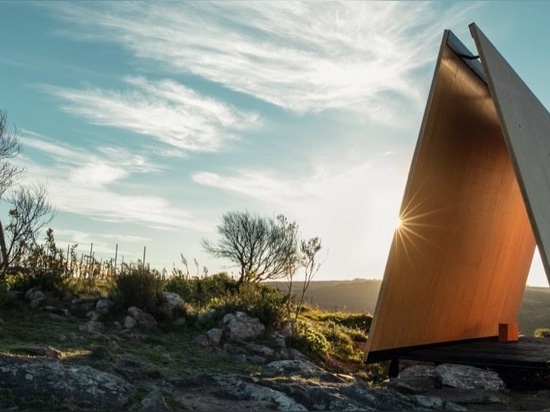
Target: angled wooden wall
(526, 125)
(458, 264)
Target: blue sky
(148, 121)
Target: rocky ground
(76, 357)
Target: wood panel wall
(458, 264)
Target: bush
(308, 339)
(200, 291)
(138, 286)
(263, 302)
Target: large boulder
(142, 318)
(468, 377)
(84, 386)
(240, 326)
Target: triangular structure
(477, 197)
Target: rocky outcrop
(468, 377)
(292, 386)
(453, 383)
(240, 326)
(84, 386)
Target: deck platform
(527, 352)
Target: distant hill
(357, 295)
(360, 295)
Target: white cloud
(299, 55)
(81, 183)
(165, 110)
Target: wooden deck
(528, 352)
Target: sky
(148, 121)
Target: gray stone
(279, 339)
(202, 340)
(438, 404)
(142, 318)
(214, 336)
(468, 377)
(245, 390)
(86, 387)
(416, 379)
(104, 305)
(240, 326)
(466, 396)
(36, 298)
(153, 401)
(173, 299)
(261, 350)
(129, 322)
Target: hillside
(360, 295)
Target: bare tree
(30, 211)
(263, 248)
(9, 148)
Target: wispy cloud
(165, 110)
(82, 182)
(299, 55)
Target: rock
(211, 338)
(100, 309)
(104, 305)
(180, 321)
(35, 297)
(416, 379)
(240, 326)
(301, 368)
(129, 322)
(466, 396)
(142, 318)
(173, 299)
(206, 318)
(258, 349)
(437, 404)
(279, 339)
(84, 386)
(153, 401)
(91, 326)
(468, 377)
(214, 335)
(244, 390)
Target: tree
(30, 211)
(9, 148)
(263, 248)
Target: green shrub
(361, 321)
(308, 339)
(263, 302)
(138, 286)
(200, 291)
